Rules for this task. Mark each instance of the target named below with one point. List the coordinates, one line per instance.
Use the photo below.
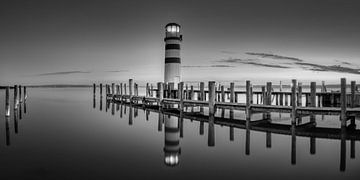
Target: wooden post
(16, 100)
(313, 94)
(113, 89)
(7, 102)
(117, 89)
(160, 93)
(20, 96)
(299, 98)
(202, 91)
(121, 89)
(281, 95)
(181, 95)
(248, 94)
(222, 94)
(186, 96)
(293, 100)
(268, 92)
(136, 89)
(192, 94)
(125, 89)
(151, 91)
(147, 90)
(94, 88)
(286, 100)
(353, 97)
(232, 92)
(101, 89)
(343, 102)
(263, 95)
(212, 98)
(130, 88)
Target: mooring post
(125, 89)
(151, 90)
(112, 89)
(25, 93)
(232, 92)
(222, 94)
(343, 102)
(313, 94)
(101, 89)
(147, 90)
(186, 96)
(130, 88)
(181, 95)
(263, 95)
(117, 89)
(94, 88)
(281, 94)
(211, 98)
(248, 94)
(268, 93)
(192, 94)
(202, 91)
(299, 98)
(20, 94)
(16, 100)
(136, 89)
(7, 102)
(160, 93)
(353, 97)
(293, 100)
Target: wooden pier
(297, 102)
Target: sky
(86, 41)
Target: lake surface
(63, 136)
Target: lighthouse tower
(172, 53)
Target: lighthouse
(172, 53)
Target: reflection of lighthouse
(172, 53)
(172, 141)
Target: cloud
(116, 71)
(332, 68)
(254, 62)
(274, 56)
(63, 73)
(210, 66)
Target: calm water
(62, 136)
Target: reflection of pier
(181, 104)
(19, 108)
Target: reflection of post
(247, 138)
(16, 120)
(312, 138)
(121, 110)
(101, 103)
(130, 114)
(160, 121)
(172, 141)
(343, 149)
(181, 124)
(268, 139)
(112, 107)
(352, 149)
(94, 101)
(201, 130)
(211, 131)
(231, 133)
(293, 144)
(7, 126)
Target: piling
(353, 97)
(268, 92)
(117, 89)
(313, 94)
(121, 89)
(25, 93)
(212, 98)
(281, 95)
(7, 102)
(192, 94)
(160, 93)
(101, 88)
(202, 91)
(181, 95)
(299, 98)
(232, 92)
(222, 94)
(113, 89)
(94, 88)
(147, 91)
(151, 90)
(293, 100)
(248, 95)
(130, 87)
(16, 100)
(263, 95)
(20, 96)
(125, 89)
(343, 102)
